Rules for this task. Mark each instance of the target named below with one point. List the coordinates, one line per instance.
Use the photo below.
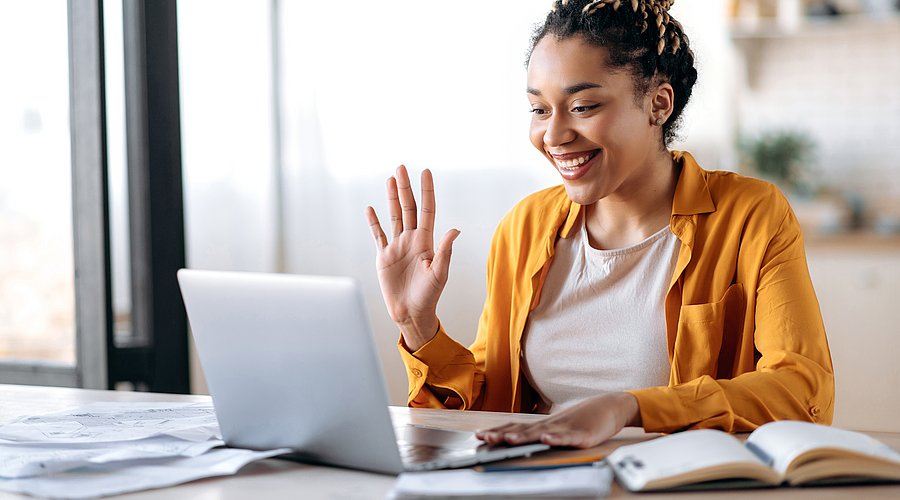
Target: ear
(662, 102)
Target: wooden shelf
(818, 26)
(859, 240)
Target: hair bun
(656, 6)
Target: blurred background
(293, 114)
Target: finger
(441, 261)
(494, 434)
(514, 434)
(573, 438)
(428, 206)
(375, 226)
(499, 428)
(527, 434)
(394, 207)
(407, 200)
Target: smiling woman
(644, 290)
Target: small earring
(659, 121)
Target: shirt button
(814, 411)
(416, 372)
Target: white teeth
(572, 164)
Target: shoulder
(537, 210)
(749, 210)
(727, 205)
(735, 194)
(531, 223)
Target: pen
(545, 464)
(520, 468)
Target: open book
(785, 452)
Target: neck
(641, 207)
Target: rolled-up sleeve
(443, 363)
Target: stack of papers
(110, 448)
(585, 481)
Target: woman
(645, 290)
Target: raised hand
(411, 271)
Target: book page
(786, 440)
(685, 457)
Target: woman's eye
(538, 111)
(584, 109)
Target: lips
(574, 165)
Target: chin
(580, 195)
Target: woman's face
(587, 122)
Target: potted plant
(782, 157)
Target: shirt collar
(691, 193)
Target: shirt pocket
(701, 329)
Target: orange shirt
(745, 336)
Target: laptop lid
(289, 362)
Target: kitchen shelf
(859, 240)
(815, 26)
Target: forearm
(804, 391)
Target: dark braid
(639, 35)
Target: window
(37, 286)
(50, 332)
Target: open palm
(412, 272)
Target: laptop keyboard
(426, 448)
(421, 457)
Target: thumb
(441, 261)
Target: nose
(558, 131)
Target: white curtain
(370, 85)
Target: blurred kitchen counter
(864, 240)
(856, 275)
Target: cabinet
(858, 286)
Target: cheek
(536, 134)
(621, 130)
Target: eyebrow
(571, 90)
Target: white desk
(276, 479)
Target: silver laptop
(290, 363)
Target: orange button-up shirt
(745, 336)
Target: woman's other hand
(411, 271)
(583, 425)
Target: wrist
(631, 410)
(418, 331)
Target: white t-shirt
(600, 324)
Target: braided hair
(639, 35)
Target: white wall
(836, 81)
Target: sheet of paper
(106, 422)
(587, 481)
(116, 478)
(24, 460)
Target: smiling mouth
(572, 164)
